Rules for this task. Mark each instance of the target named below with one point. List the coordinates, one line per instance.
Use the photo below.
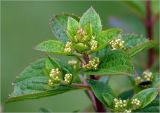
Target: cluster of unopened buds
(136, 103)
(127, 111)
(120, 105)
(73, 63)
(68, 78)
(68, 47)
(56, 77)
(93, 44)
(117, 44)
(81, 35)
(92, 64)
(147, 75)
(138, 80)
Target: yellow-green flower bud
(93, 64)
(136, 103)
(55, 75)
(119, 104)
(147, 75)
(50, 83)
(138, 80)
(68, 78)
(127, 111)
(68, 47)
(81, 35)
(93, 44)
(72, 62)
(117, 44)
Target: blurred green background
(25, 24)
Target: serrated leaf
(58, 25)
(72, 27)
(136, 43)
(152, 107)
(51, 46)
(109, 99)
(113, 63)
(99, 88)
(106, 36)
(91, 17)
(146, 96)
(33, 83)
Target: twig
(97, 104)
(149, 29)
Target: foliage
(97, 52)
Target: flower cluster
(117, 44)
(68, 78)
(147, 75)
(68, 47)
(138, 80)
(55, 76)
(136, 103)
(120, 105)
(127, 111)
(72, 62)
(81, 35)
(93, 44)
(92, 64)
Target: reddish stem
(98, 105)
(149, 30)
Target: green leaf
(109, 99)
(152, 107)
(136, 43)
(113, 63)
(137, 7)
(126, 94)
(99, 89)
(156, 80)
(58, 25)
(51, 63)
(80, 47)
(72, 27)
(146, 96)
(51, 46)
(91, 17)
(106, 36)
(33, 83)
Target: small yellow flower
(93, 44)
(147, 75)
(136, 103)
(138, 80)
(55, 75)
(93, 64)
(127, 111)
(68, 78)
(72, 62)
(81, 35)
(50, 82)
(117, 44)
(68, 47)
(120, 104)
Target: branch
(149, 29)
(97, 104)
